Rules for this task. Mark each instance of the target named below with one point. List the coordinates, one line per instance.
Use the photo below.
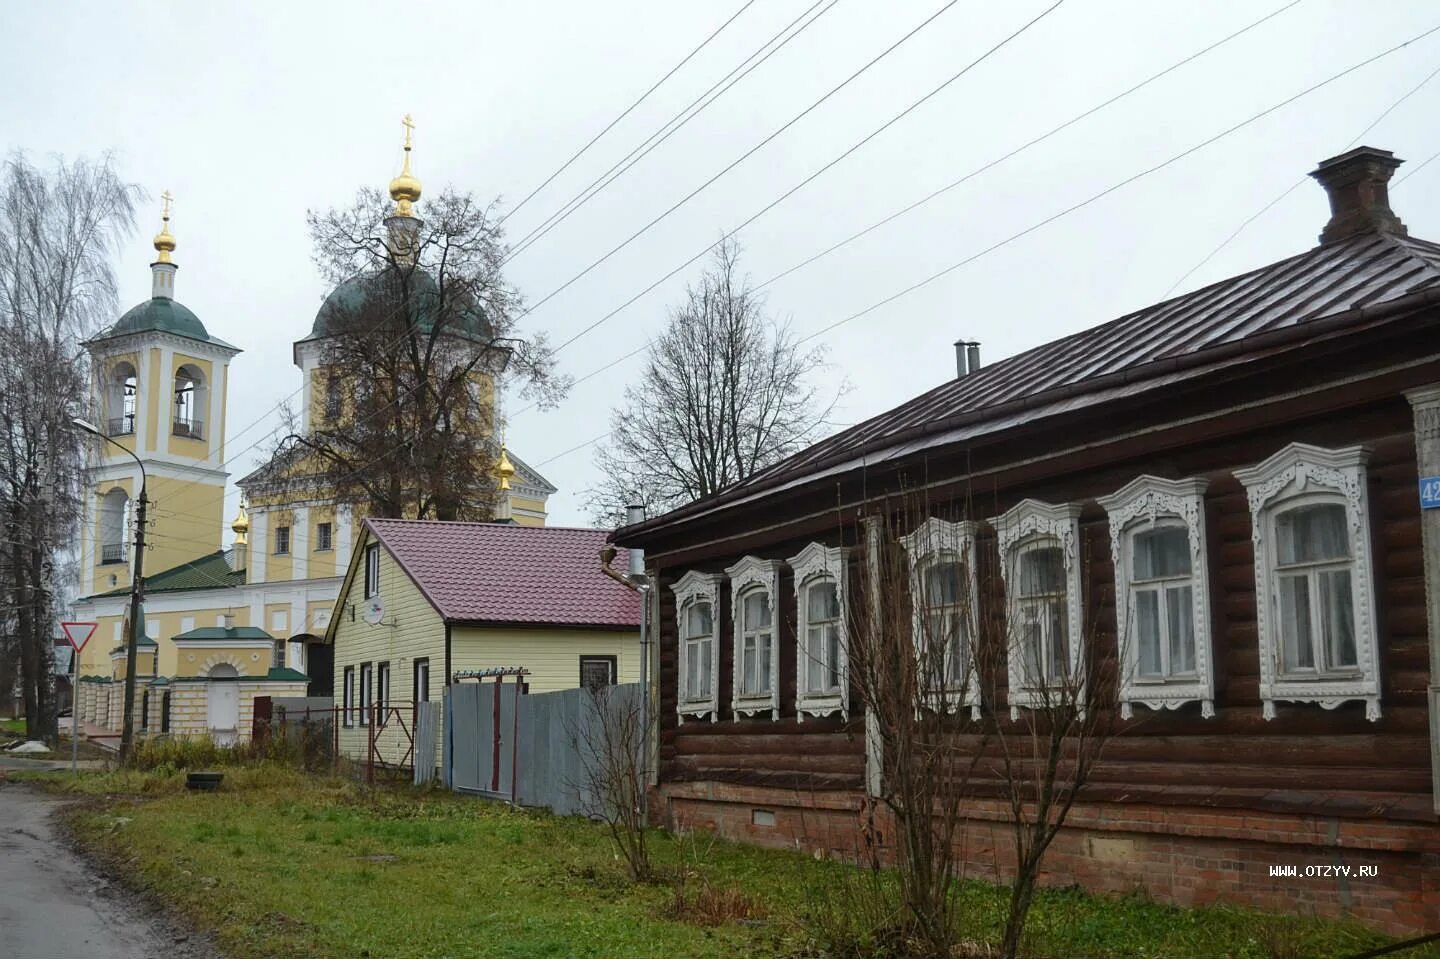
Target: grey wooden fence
(427, 728)
(538, 752)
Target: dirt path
(54, 906)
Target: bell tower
(158, 385)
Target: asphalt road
(54, 906)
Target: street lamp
(137, 593)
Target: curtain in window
(822, 640)
(757, 641)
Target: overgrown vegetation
(280, 862)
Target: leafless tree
(59, 233)
(420, 333)
(933, 649)
(609, 739)
(726, 391)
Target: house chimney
(1359, 200)
(967, 358)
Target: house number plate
(1430, 492)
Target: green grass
(13, 726)
(280, 863)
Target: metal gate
(481, 733)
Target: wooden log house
(1279, 424)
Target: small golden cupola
(162, 271)
(241, 526)
(504, 469)
(405, 188)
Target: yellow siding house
(423, 601)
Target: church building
(221, 625)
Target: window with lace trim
(696, 596)
(1040, 612)
(822, 658)
(943, 592)
(1314, 577)
(754, 584)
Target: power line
(1111, 189)
(825, 168)
(1295, 186)
(670, 127)
(1428, 160)
(742, 158)
(626, 112)
(974, 173)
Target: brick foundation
(1188, 857)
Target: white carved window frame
(813, 565)
(1138, 507)
(1300, 471)
(751, 575)
(1026, 525)
(942, 541)
(691, 588)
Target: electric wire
(670, 127)
(627, 111)
(1295, 186)
(1116, 186)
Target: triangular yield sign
(79, 633)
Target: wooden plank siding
(1307, 759)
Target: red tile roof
(503, 573)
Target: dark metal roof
(1091, 366)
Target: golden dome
(164, 240)
(504, 469)
(240, 526)
(405, 188)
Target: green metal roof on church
(223, 633)
(207, 572)
(378, 298)
(162, 315)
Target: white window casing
(1030, 526)
(755, 584)
(818, 566)
(697, 699)
(933, 544)
(1303, 478)
(1146, 505)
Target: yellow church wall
(159, 396)
(277, 620)
(219, 435)
(186, 518)
(186, 446)
(103, 571)
(313, 616)
(321, 562)
(144, 663)
(95, 659)
(196, 660)
(521, 519)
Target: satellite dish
(373, 610)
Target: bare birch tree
(726, 391)
(60, 230)
(419, 335)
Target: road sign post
(78, 634)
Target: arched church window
(113, 509)
(120, 400)
(190, 402)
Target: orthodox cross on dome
(405, 188)
(165, 200)
(409, 124)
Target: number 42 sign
(1430, 492)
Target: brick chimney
(1359, 200)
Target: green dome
(164, 315)
(380, 295)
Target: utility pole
(137, 593)
(132, 642)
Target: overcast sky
(252, 113)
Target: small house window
(323, 533)
(1157, 543)
(754, 583)
(696, 595)
(282, 540)
(365, 691)
(822, 658)
(372, 570)
(421, 688)
(1314, 579)
(347, 714)
(277, 661)
(1040, 564)
(382, 691)
(943, 590)
(597, 672)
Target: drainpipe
(638, 580)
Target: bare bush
(609, 739)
